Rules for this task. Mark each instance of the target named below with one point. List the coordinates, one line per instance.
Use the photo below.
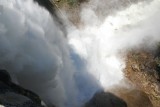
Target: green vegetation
(72, 2)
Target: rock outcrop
(105, 99)
(133, 97)
(12, 95)
(141, 70)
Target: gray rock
(12, 95)
(105, 99)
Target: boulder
(105, 99)
(13, 95)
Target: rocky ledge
(12, 95)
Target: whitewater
(67, 71)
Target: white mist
(68, 72)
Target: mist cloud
(68, 72)
(102, 43)
(34, 51)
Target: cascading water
(65, 72)
(35, 52)
(103, 43)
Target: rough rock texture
(105, 99)
(141, 70)
(133, 97)
(12, 95)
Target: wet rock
(12, 95)
(4, 76)
(105, 99)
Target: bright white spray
(34, 51)
(103, 43)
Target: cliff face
(142, 71)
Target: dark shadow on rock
(47, 4)
(4, 76)
(13, 95)
(105, 99)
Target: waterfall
(67, 71)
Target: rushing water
(67, 72)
